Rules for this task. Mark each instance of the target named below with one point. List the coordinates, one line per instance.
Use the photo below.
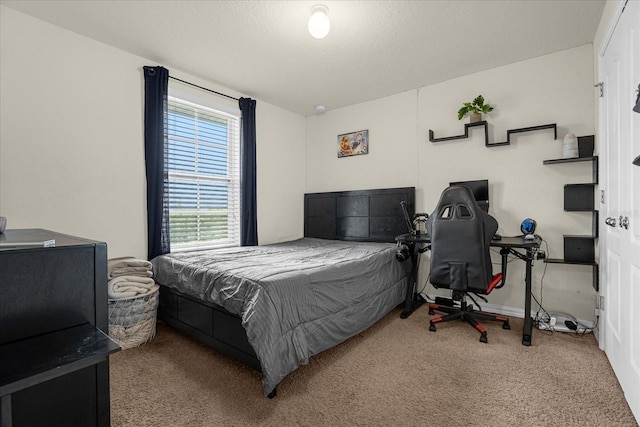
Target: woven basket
(132, 321)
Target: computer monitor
(480, 190)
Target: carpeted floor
(395, 373)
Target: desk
(512, 245)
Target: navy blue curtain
(156, 83)
(248, 211)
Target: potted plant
(476, 108)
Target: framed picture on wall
(353, 144)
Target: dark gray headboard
(364, 215)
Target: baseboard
(504, 310)
(584, 326)
(519, 313)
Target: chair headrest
(458, 194)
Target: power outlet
(552, 321)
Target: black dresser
(54, 354)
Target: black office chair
(461, 233)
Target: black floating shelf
(592, 159)
(562, 261)
(594, 265)
(570, 160)
(486, 133)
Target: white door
(620, 241)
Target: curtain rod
(203, 88)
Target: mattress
(295, 298)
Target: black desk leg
(412, 301)
(5, 411)
(526, 332)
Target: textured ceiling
(262, 49)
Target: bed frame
(365, 215)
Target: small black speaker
(403, 253)
(579, 249)
(585, 146)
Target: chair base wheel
(431, 312)
(432, 327)
(506, 325)
(483, 337)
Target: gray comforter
(296, 298)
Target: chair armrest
(504, 254)
(498, 278)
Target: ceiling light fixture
(320, 109)
(319, 24)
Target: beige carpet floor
(395, 373)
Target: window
(204, 180)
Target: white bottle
(570, 146)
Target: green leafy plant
(475, 106)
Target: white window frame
(233, 170)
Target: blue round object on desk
(528, 226)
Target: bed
(272, 307)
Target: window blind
(203, 165)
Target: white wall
(555, 88)
(281, 165)
(391, 161)
(71, 149)
(71, 141)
